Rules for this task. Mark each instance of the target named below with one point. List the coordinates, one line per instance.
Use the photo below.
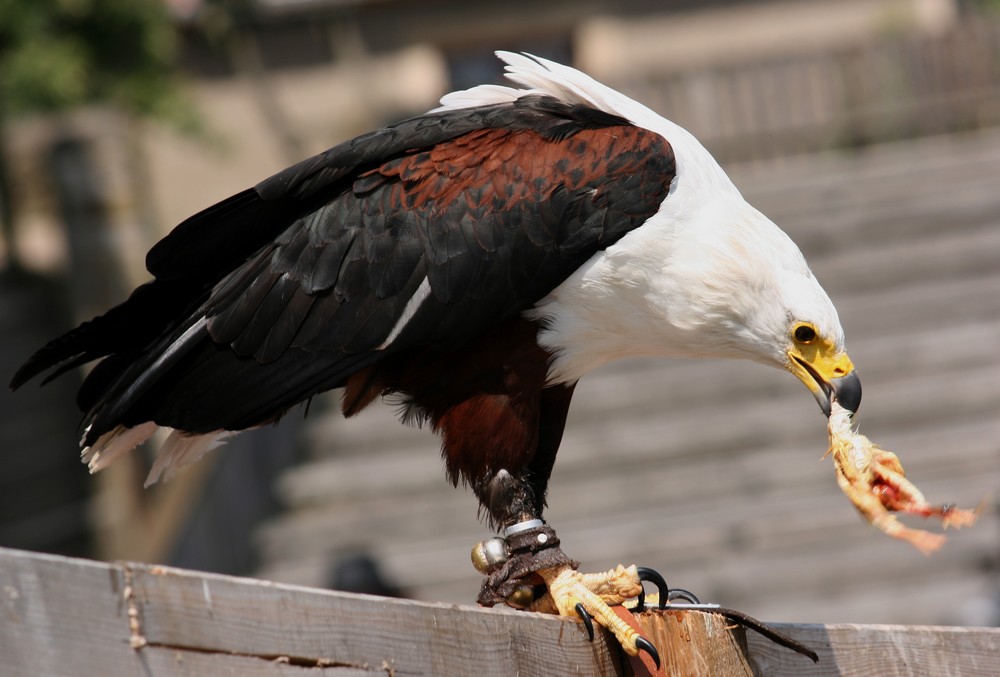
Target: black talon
(587, 621)
(680, 593)
(643, 644)
(654, 577)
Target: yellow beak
(828, 374)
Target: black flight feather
(286, 289)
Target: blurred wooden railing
(897, 87)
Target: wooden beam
(849, 650)
(68, 616)
(62, 616)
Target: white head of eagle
(476, 261)
(707, 275)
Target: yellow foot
(590, 598)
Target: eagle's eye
(804, 333)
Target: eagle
(472, 263)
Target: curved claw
(654, 577)
(680, 593)
(588, 622)
(643, 644)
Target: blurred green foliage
(58, 54)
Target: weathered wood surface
(61, 616)
(695, 644)
(850, 650)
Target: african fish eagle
(475, 261)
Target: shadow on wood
(62, 616)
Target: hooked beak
(828, 377)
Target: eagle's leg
(527, 568)
(502, 437)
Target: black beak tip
(847, 392)
(825, 405)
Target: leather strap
(530, 550)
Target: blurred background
(868, 129)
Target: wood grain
(697, 644)
(184, 663)
(885, 650)
(62, 616)
(183, 609)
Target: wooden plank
(183, 663)
(63, 616)
(884, 650)
(228, 615)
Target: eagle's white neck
(699, 279)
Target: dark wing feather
(305, 279)
(148, 311)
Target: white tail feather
(114, 443)
(180, 449)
